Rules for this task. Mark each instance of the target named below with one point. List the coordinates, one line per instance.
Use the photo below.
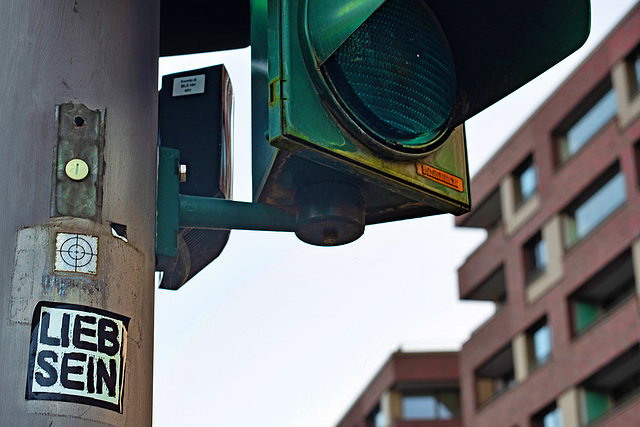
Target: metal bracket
(175, 210)
(191, 231)
(167, 208)
(79, 162)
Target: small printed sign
(77, 354)
(188, 85)
(77, 253)
(442, 177)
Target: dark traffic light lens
(395, 76)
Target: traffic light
(358, 111)
(195, 133)
(359, 106)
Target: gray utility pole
(78, 126)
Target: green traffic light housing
(373, 94)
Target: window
(637, 154)
(376, 418)
(431, 406)
(590, 122)
(634, 65)
(539, 343)
(495, 376)
(525, 181)
(602, 293)
(612, 386)
(535, 257)
(548, 417)
(596, 204)
(379, 419)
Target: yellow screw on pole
(77, 169)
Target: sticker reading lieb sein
(77, 354)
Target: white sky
(278, 333)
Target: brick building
(410, 390)
(561, 204)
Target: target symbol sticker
(77, 253)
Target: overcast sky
(278, 333)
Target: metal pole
(78, 122)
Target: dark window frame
(562, 153)
(607, 304)
(570, 226)
(636, 150)
(437, 394)
(502, 382)
(537, 419)
(633, 66)
(534, 264)
(526, 165)
(532, 360)
(370, 420)
(613, 396)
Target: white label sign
(78, 355)
(188, 85)
(77, 253)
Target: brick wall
(573, 359)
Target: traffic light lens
(395, 75)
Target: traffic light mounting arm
(223, 214)
(179, 210)
(211, 212)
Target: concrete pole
(78, 87)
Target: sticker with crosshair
(77, 253)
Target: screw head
(77, 169)
(182, 173)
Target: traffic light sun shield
(330, 23)
(499, 45)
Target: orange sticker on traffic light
(441, 177)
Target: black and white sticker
(77, 253)
(189, 85)
(78, 355)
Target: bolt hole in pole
(78, 121)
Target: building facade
(410, 390)
(561, 204)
